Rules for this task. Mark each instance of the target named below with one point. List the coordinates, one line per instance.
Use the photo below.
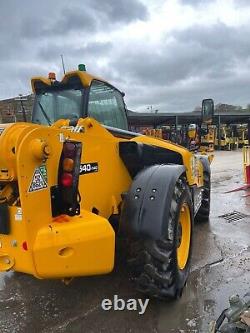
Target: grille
(233, 216)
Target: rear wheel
(160, 267)
(204, 210)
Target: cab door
(106, 105)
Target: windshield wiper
(44, 113)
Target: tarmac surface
(220, 268)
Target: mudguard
(146, 205)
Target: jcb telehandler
(75, 177)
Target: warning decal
(39, 180)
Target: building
(11, 110)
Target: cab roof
(85, 79)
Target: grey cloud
(96, 48)
(91, 49)
(186, 66)
(32, 28)
(18, 78)
(217, 38)
(69, 20)
(241, 3)
(186, 97)
(73, 19)
(196, 2)
(37, 33)
(9, 52)
(202, 61)
(122, 10)
(83, 17)
(177, 61)
(194, 51)
(237, 3)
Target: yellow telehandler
(75, 178)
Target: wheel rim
(183, 236)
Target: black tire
(154, 263)
(202, 215)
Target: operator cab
(78, 95)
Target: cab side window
(106, 105)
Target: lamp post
(219, 134)
(150, 108)
(22, 98)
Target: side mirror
(207, 110)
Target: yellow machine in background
(208, 139)
(228, 137)
(224, 139)
(75, 177)
(192, 131)
(183, 135)
(193, 137)
(246, 172)
(232, 136)
(157, 133)
(242, 135)
(246, 165)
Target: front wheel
(160, 267)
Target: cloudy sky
(166, 53)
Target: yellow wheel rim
(184, 234)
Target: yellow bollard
(246, 164)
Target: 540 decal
(88, 168)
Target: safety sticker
(39, 180)
(88, 168)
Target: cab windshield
(57, 104)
